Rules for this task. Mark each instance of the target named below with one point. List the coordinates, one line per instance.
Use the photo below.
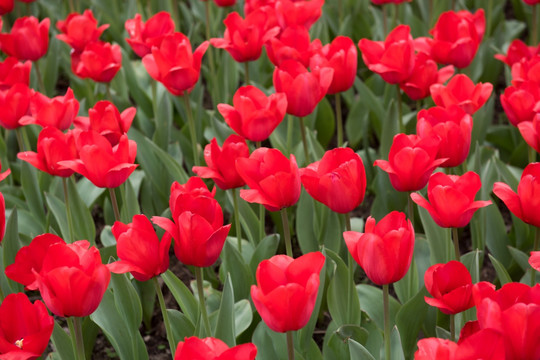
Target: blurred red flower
(213, 349)
(461, 91)
(145, 35)
(79, 30)
(59, 112)
(99, 61)
(27, 40)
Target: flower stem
(339, 120)
(400, 110)
(290, 345)
(262, 226)
(2, 296)
(202, 303)
(384, 24)
(534, 25)
(215, 88)
(456, 242)
(174, 8)
(68, 210)
(304, 140)
(192, 132)
(39, 77)
(535, 248)
(489, 17)
(386, 307)
(410, 208)
(532, 154)
(246, 72)
(237, 220)
(290, 125)
(350, 265)
(452, 327)
(163, 308)
(286, 232)
(114, 204)
(75, 330)
(20, 141)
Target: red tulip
(194, 187)
(99, 61)
(522, 103)
(524, 204)
(461, 91)
(452, 126)
(287, 289)
(252, 5)
(72, 280)
(456, 37)
(340, 55)
(104, 165)
(174, 65)
(6, 6)
(385, 249)
(435, 348)
(221, 162)
(14, 104)
(292, 44)
(534, 260)
(58, 112)
(254, 115)
(526, 70)
(517, 52)
(273, 179)
(28, 39)
(298, 12)
(531, 2)
(243, 39)
(392, 59)
(4, 174)
(452, 199)
(80, 30)
(450, 285)
(424, 74)
(12, 72)
(25, 328)
(29, 260)
(139, 249)
(411, 161)
(224, 3)
(304, 89)
(105, 119)
(145, 35)
(213, 349)
(53, 146)
(338, 180)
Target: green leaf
(243, 316)
(181, 326)
(395, 343)
(62, 342)
(50, 70)
(127, 300)
(520, 257)
(502, 274)
(32, 192)
(372, 304)
(407, 287)
(440, 244)
(248, 219)
(185, 299)
(264, 250)
(130, 206)
(270, 345)
(225, 329)
(83, 222)
(359, 352)
(88, 192)
(352, 332)
(409, 320)
(305, 232)
(10, 246)
(472, 261)
(325, 122)
(233, 264)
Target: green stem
(163, 308)
(394, 20)
(290, 345)
(114, 204)
(430, 19)
(535, 248)
(174, 8)
(192, 132)
(489, 16)
(20, 141)
(410, 208)
(40, 79)
(290, 124)
(216, 89)
(456, 243)
(202, 303)
(108, 91)
(400, 110)
(68, 210)
(237, 220)
(304, 140)
(452, 327)
(339, 120)
(532, 155)
(75, 330)
(286, 232)
(384, 24)
(340, 11)
(534, 20)
(262, 214)
(246, 72)
(386, 299)
(350, 265)
(71, 6)
(1, 294)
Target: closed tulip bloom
(286, 290)
(304, 89)
(244, 38)
(338, 180)
(99, 61)
(58, 112)
(221, 162)
(213, 349)
(145, 35)
(385, 249)
(104, 165)
(79, 30)
(340, 55)
(194, 187)
(411, 161)
(298, 12)
(517, 52)
(273, 180)
(53, 146)
(293, 43)
(14, 104)
(139, 249)
(457, 36)
(525, 203)
(27, 40)
(174, 64)
(461, 91)
(392, 59)
(6, 6)
(451, 198)
(453, 127)
(72, 280)
(521, 103)
(12, 71)
(424, 74)
(25, 328)
(254, 115)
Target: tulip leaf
(407, 287)
(10, 246)
(270, 345)
(147, 293)
(181, 326)
(409, 320)
(305, 232)
(440, 244)
(502, 274)
(134, 81)
(243, 316)
(233, 264)
(352, 332)
(264, 250)
(356, 123)
(185, 299)
(334, 346)
(325, 122)
(521, 258)
(472, 261)
(127, 300)
(358, 351)
(62, 342)
(163, 118)
(395, 343)
(372, 304)
(83, 223)
(225, 329)
(32, 192)
(130, 205)
(88, 192)
(249, 220)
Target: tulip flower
(451, 199)
(6, 6)
(517, 52)
(174, 65)
(104, 165)
(292, 44)
(79, 30)
(72, 279)
(524, 204)
(253, 5)
(304, 89)
(452, 126)
(287, 289)
(435, 348)
(457, 36)
(25, 328)
(53, 146)
(392, 59)
(274, 180)
(521, 103)
(27, 40)
(461, 91)
(12, 72)
(58, 112)
(244, 38)
(224, 3)
(14, 104)
(338, 180)
(531, 2)
(99, 61)
(221, 162)
(526, 70)
(254, 115)
(411, 161)
(213, 349)
(145, 35)
(4, 174)
(195, 186)
(385, 249)
(139, 249)
(534, 260)
(298, 12)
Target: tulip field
(269, 179)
